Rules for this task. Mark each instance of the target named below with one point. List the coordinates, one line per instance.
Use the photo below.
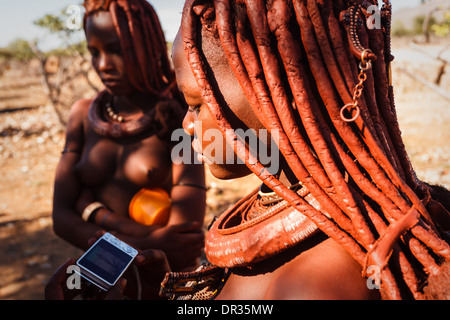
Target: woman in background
(116, 161)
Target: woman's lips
(111, 83)
(196, 148)
(200, 157)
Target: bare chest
(143, 163)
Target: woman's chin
(226, 172)
(117, 90)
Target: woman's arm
(67, 222)
(188, 193)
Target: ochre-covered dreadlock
(326, 90)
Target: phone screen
(106, 261)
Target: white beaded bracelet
(90, 209)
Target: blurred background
(45, 68)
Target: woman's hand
(56, 288)
(182, 243)
(152, 266)
(121, 225)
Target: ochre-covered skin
(297, 62)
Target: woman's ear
(206, 13)
(204, 10)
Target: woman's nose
(105, 62)
(188, 123)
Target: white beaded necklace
(112, 114)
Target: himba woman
(116, 171)
(345, 216)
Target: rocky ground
(31, 141)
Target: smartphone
(106, 261)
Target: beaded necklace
(105, 122)
(258, 227)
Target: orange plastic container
(150, 206)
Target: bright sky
(17, 16)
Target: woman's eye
(94, 53)
(195, 108)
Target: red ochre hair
(358, 170)
(143, 44)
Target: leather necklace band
(113, 129)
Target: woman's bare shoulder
(81, 106)
(76, 123)
(78, 113)
(326, 271)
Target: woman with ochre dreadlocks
(345, 210)
(116, 172)
(344, 215)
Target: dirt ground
(30, 145)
